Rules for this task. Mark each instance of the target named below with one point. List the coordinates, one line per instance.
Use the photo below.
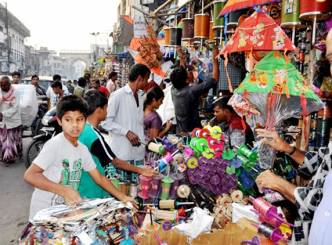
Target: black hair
(34, 76)
(222, 103)
(56, 84)
(56, 77)
(154, 93)
(81, 82)
(97, 81)
(112, 74)
(179, 77)
(138, 70)
(16, 73)
(5, 78)
(71, 103)
(87, 76)
(94, 100)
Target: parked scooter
(50, 128)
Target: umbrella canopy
(259, 32)
(233, 5)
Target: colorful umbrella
(273, 92)
(233, 5)
(259, 32)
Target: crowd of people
(75, 163)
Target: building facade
(12, 48)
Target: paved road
(15, 197)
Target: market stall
(267, 56)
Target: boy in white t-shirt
(56, 171)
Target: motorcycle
(49, 129)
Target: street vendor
(236, 131)
(313, 201)
(306, 199)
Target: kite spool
(176, 36)
(217, 7)
(311, 10)
(201, 26)
(188, 29)
(167, 31)
(290, 13)
(234, 19)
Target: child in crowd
(102, 154)
(56, 171)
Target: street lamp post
(95, 34)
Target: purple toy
(211, 176)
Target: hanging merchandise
(233, 5)
(167, 31)
(258, 32)
(202, 26)
(315, 9)
(187, 29)
(272, 92)
(290, 13)
(176, 36)
(218, 22)
(211, 32)
(290, 16)
(233, 19)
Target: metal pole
(8, 38)
(162, 6)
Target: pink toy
(216, 145)
(144, 184)
(196, 132)
(267, 212)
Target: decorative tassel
(286, 57)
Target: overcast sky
(65, 24)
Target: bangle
(292, 152)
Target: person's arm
(273, 139)
(34, 176)
(203, 87)
(103, 152)
(121, 164)
(165, 130)
(107, 185)
(269, 180)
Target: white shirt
(111, 86)
(11, 116)
(166, 109)
(124, 115)
(54, 98)
(50, 159)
